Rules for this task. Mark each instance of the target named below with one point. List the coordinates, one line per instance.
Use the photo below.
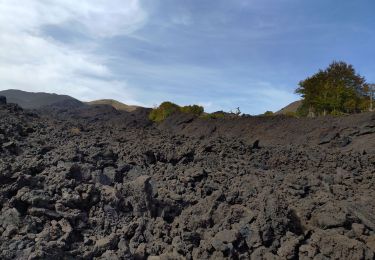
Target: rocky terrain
(97, 183)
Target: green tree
(335, 90)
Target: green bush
(167, 109)
(268, 113)
(337, 113)
(215, 115)
(194, 109)
(291, 114)
(302, 110)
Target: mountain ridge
(291, 108)
(36, 100)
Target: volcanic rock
(94, 182)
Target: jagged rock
(328, 137)
(271, 223)
(370, 242)
(94, 183)
(363, 213)
(223, 240)
(194, 174)
(289, 246)
(106, 243)
(330, 216)
(66, 229)
(191, 237)
(358, 229)
(3, 100)
(307, 252)
(10, 217)
(110, 255)
(138, 193)
(263, 253)
(337, 246)
(40, 212)
(367, 129)
(11, 147)
(110, 174)
(166, 256)
(256, 145)
(10, 231)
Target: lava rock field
(96, 183)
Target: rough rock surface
(102, 184)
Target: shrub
(167, 109)
(291, 114)
(194, 109)
(215, 115)
(337, 113)
(268, 113)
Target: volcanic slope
(36, 100)
(112, 187)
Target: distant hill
(115, 104)
(35, 100)
(292, 107)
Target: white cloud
(32, 61)
(100, 18)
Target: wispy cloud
(33, 61)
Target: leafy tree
(335, 90)
(370, 89)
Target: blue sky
(220, 54)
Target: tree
(371, 92)
(238, 111)
(337, 89)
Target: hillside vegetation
(167, 109)
(114, 103)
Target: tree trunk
(311, 112)
(371, 96)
